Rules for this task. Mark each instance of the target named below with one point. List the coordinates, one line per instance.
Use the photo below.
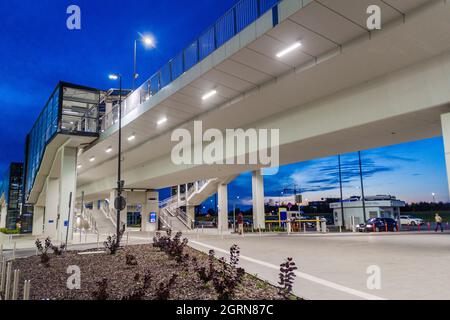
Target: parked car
(378, 225)
(411, 221)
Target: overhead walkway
(343, 88)
(332, 85)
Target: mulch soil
(123, 280)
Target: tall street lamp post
(119, 202)
(149, 43)
(234, 214)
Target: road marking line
(302, 275)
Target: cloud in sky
(410, 171)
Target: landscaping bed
(140, 272)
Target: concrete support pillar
(222, 222)
(150, 212)
(259, 214)
(190, 211)
(51, 208)
(38, 220)
(3, 213)
(445, 122)
(178, 195)
(67, 192)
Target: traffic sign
(120, 203)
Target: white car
(411, 221)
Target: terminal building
(286, 64)
(11, 187)
(356, 211)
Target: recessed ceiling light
(132, 137)
(289, 49)
(209, 95)
(79, 166)
(109, 150)
(92, 159)
(163, 120)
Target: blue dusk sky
(37, 51)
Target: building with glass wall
(71, 110)
(11, 186)
(68, 121)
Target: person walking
(240, 221)
(438, 220)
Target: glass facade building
(70, 110)
(11, 187)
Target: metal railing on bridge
(226, 27)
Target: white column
(259, 214)
(178, 195)
(3, 214)
(51, 207)
(67, 186)
(190, 211)
(445, 122)
(38, 220)
(222, 222)
(151, 206)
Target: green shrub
(9, 231)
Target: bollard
(15, 284)
(128, 236)
(26, 290)
(8, 280)
(260, 233)
(14, 251)
(340, 229)
(98, 241)
(386, 227)
(324, 226)
(429, 226)
(1, 250)
(418, 227)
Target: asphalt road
(411, 266)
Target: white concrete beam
(259, 216)
(222, 198)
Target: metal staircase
(173, 217)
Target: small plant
(235, 251)
(112, 243)
(131, 260)
(102, 291)
(140, 292)
(58, 251)
(163, 289)
(174, 248)
(228, 277)
(287, 277)
(204, 274)
(162, 242)
(43, 250)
